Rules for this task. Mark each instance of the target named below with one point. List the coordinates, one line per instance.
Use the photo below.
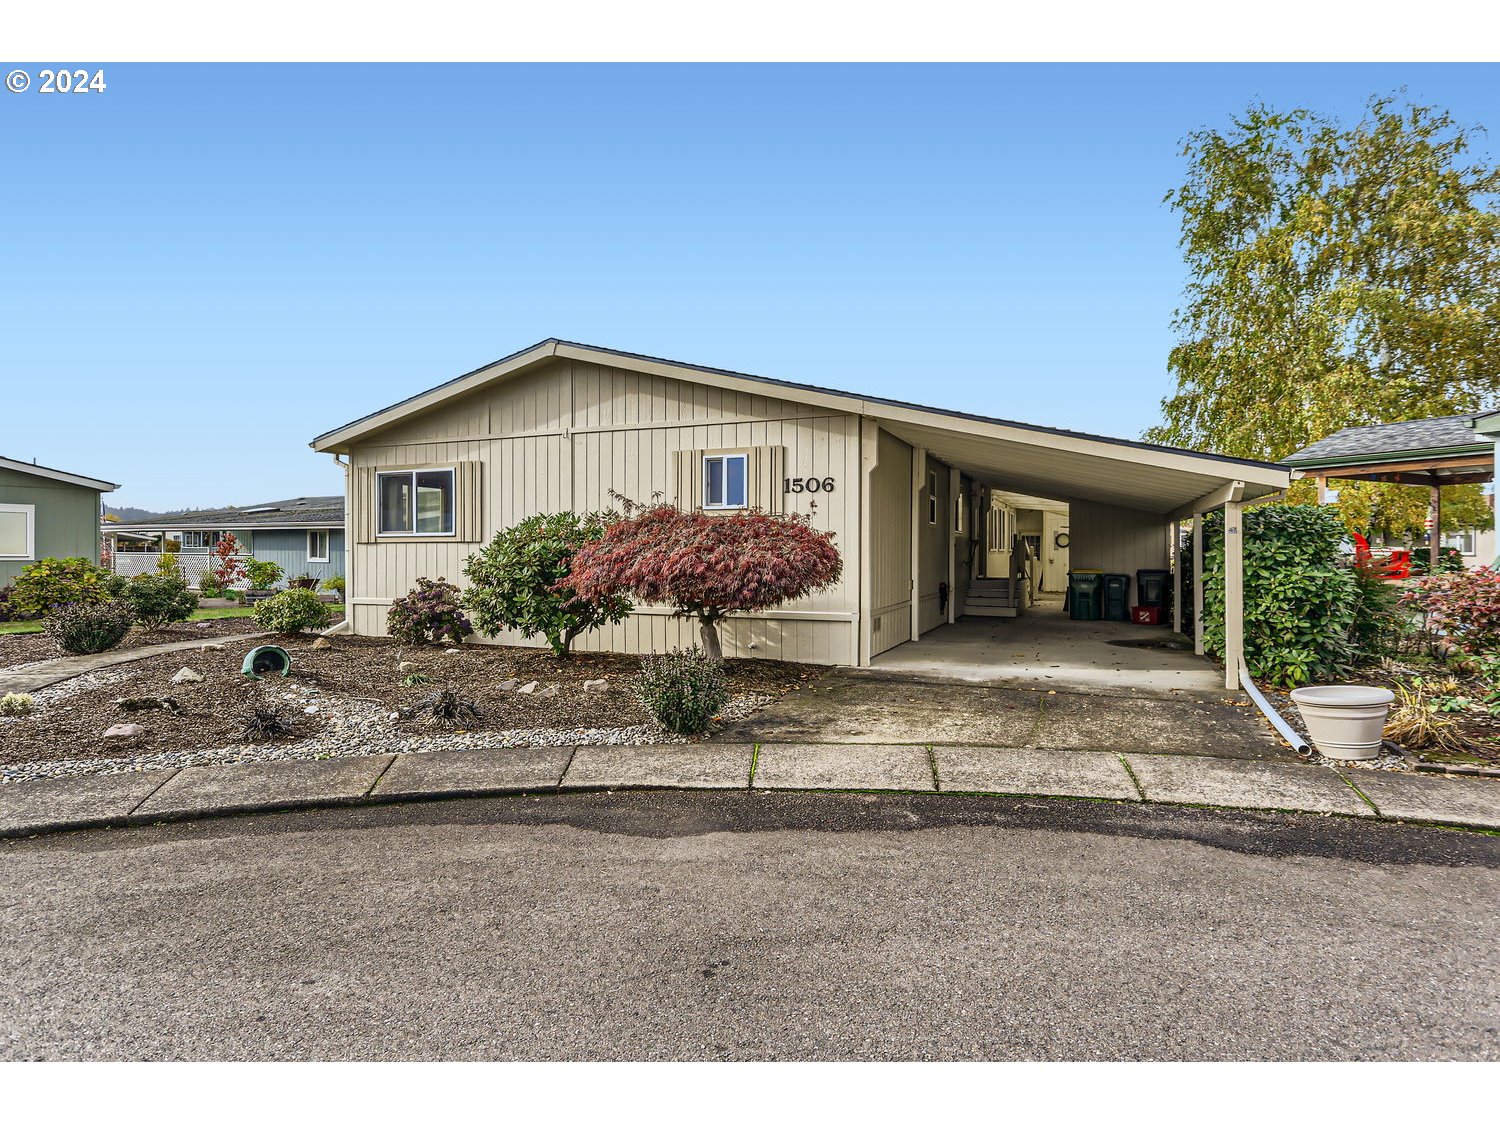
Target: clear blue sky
(204, 267)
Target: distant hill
(130, 515)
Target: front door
(998, 531)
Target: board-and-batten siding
(567, 436)
(890, 535)
(934, 545)
(1116, 540)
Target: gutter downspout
(1283, 728)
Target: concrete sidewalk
(117, 800)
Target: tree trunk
(709, 631)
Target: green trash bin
(1116, 597)
(1083, 594)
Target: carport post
(918, 482)
(1198, 583)
(955, 501)
(1176, 576)
(1234, 595)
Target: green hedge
(1301, 601)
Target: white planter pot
(1345, 721)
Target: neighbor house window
(415, 502)
(18, 531)
(1462, 541)
(724, 476)
(198, 540)
(317, 546)
(932, 504)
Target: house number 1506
(808, 484)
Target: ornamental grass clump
(15, 705)
(265, 724)
(430, 612)
(83, 629)
(683, 689)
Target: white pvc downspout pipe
(1273, 716)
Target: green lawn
(198, 615)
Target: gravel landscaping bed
(19, 650)
(349, 698)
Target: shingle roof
(1422, 435)
(301, 511)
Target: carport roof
(1042, 461)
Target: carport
(1129, 501)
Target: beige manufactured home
(940, 515)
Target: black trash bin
(1083, 594)
(1153, 588)
(1116, 598)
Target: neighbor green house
(46, 513)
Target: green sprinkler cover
(266, 660)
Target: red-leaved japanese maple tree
(226, 566)
(707, 564)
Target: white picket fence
(193, 566)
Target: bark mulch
(352, 670)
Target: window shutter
(468, 514)
(763, 469)
(364, 504)
(688, 471)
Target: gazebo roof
(1424, 451)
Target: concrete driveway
(881, 707)
(752, 926)
(1043, 648)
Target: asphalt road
(749, 925)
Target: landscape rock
(187, 676)
(451, 651)
(320, 644)
(548, 692)
(211, 648)
(125, 731)
(595, 685)
(408, 666)
(527, 689)
(508, 685)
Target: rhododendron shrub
(707, 565)
(1464, 607)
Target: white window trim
(328, 545)
(29, 511)
(452, 472)
(744, 458)
(932, 499)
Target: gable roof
(1015, 455)
(57, 474)
(300, 511)
(1394, 441)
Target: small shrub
(265, 723)
(291, 611)
(227, 566)
(208, 585)
(1378, 628)
(449, 710)
(415, 679)
(91, 627)
(430, 612)
(683, 689)
(15, 705)
(335, 585)
(519, 580)
(9, 611)
(159, 600)
(167, 566)
(263, 573)
(1465, 607)
(58, 582)
(1450, 561)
